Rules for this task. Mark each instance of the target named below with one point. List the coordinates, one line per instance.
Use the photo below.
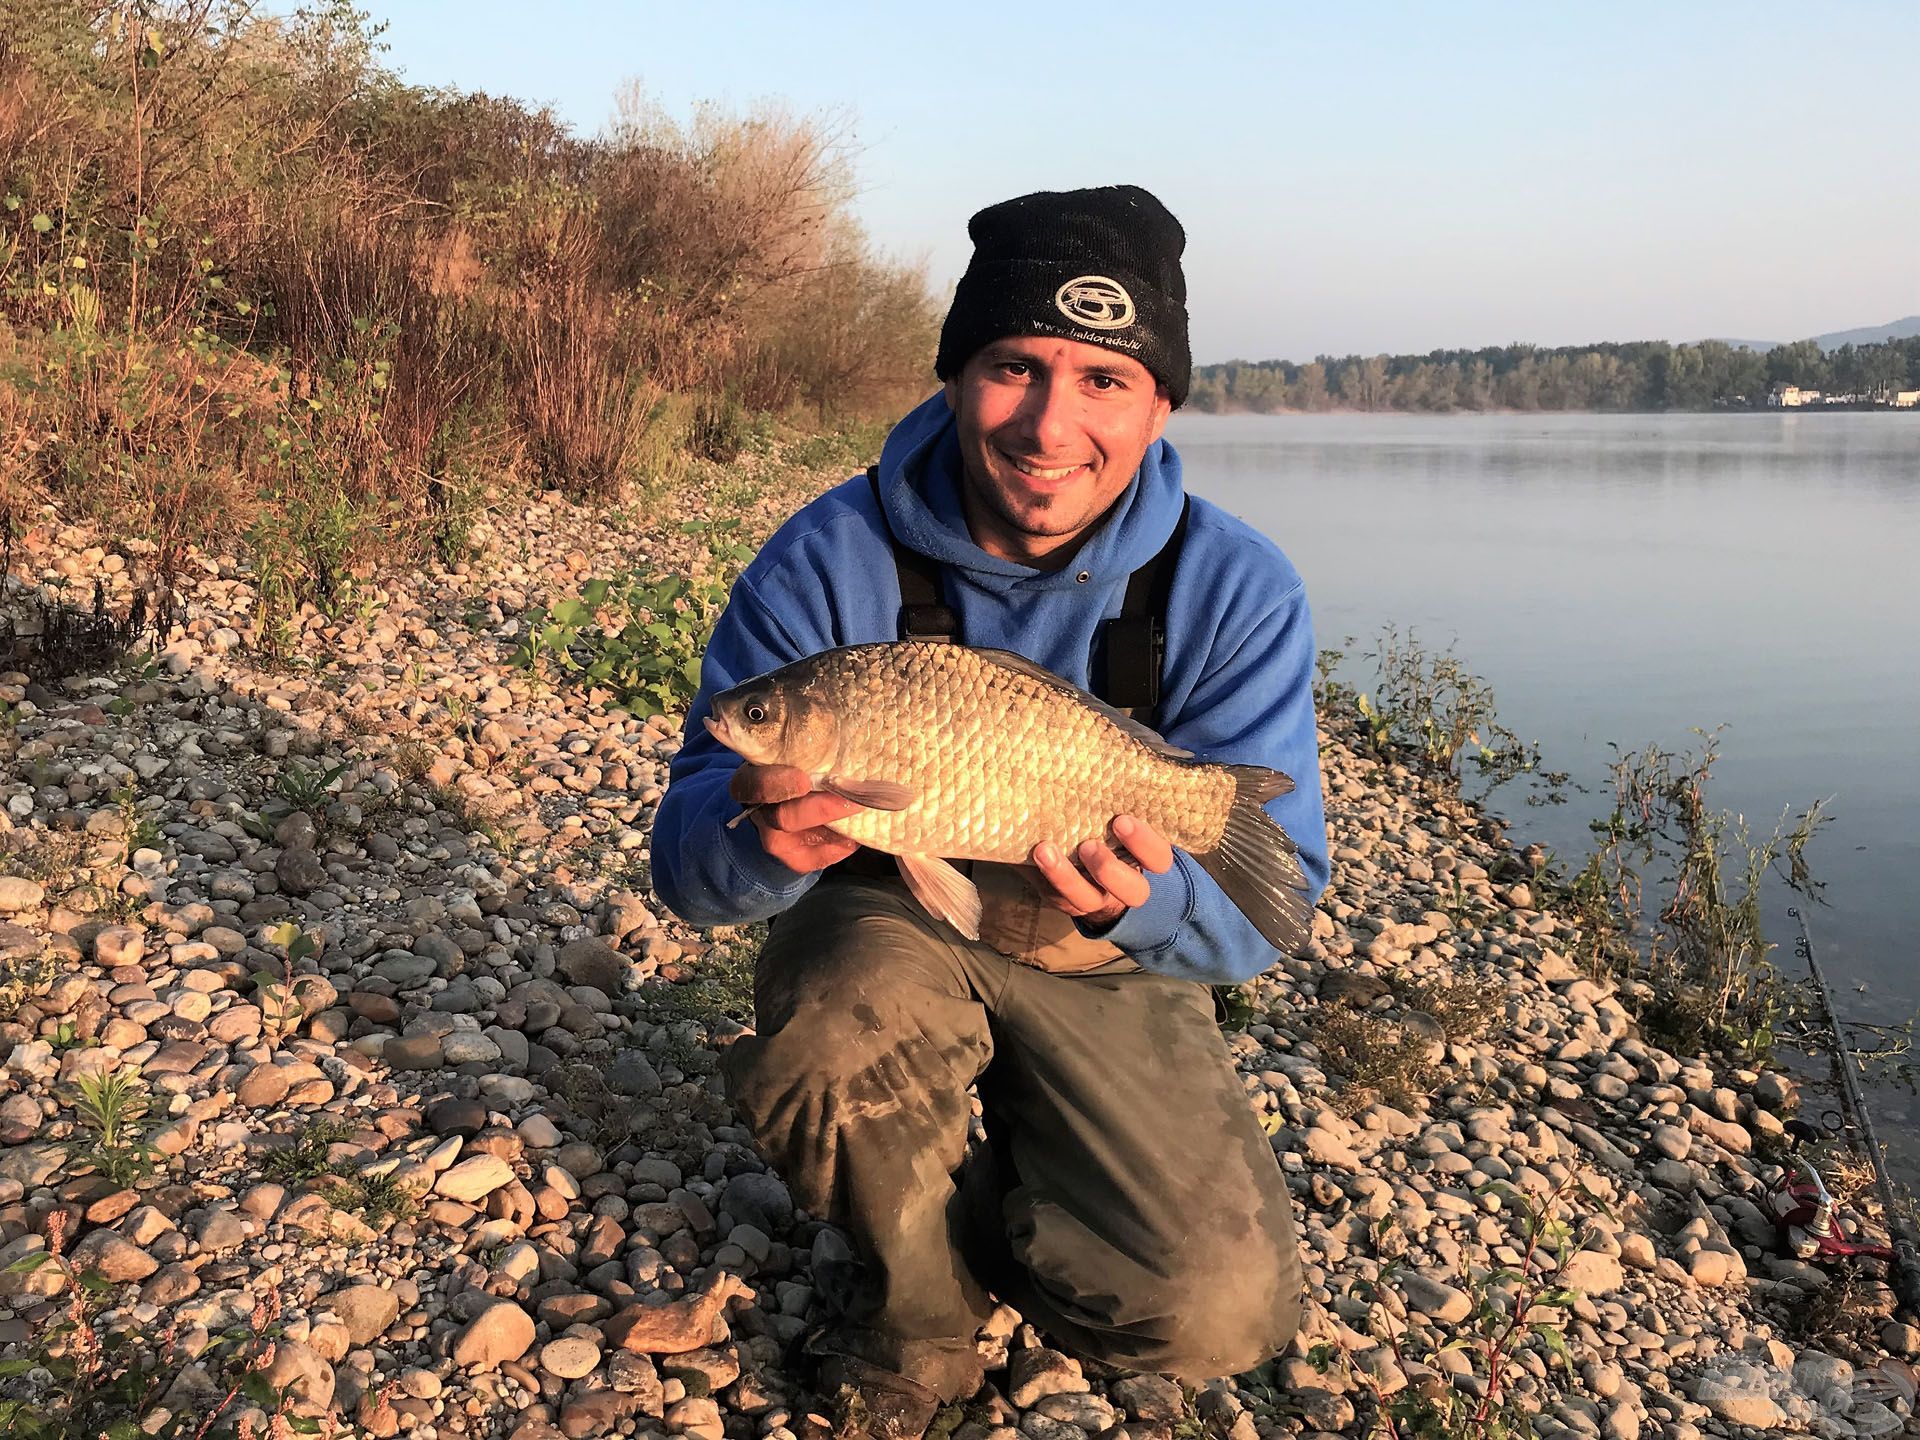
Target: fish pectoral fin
(874, 794)
(945, 893)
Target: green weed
(111, 1109)
(641, 636)
(77, 1378)
(1513, 1308)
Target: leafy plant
(111, 1109)
(309, 1156)
(308, 788)
(1513, 1307)
(642, 636)
(281, 1008)
(1703, 954)
(78, 1378)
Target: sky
(1379, 178)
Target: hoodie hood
(921, 473)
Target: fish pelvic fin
(874, 794)
(1256, 864)
(943, 892)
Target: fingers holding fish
(768, 784)
(1146, 844)
(1098, 885)
(795, 832)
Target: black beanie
(1098, 266)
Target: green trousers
(1126, 1201)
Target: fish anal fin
(943, 892)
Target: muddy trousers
(1126, 1201)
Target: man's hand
(1103, 885)
(792, 816)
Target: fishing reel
(1803, 1210)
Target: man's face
(1051, 432)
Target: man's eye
(1015, 368)
(1105, 382)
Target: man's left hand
(1097, 885)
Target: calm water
(1622, 579)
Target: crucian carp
(961, 753)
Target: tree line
(1638, 375)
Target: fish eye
(756, 713)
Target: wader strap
(1133, 643)
(1136, 638)
(923, 614)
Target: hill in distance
(1834, 339)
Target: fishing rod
(1906, 1252)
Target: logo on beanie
(1095, 302)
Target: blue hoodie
(1237, 685)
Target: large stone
(368, 1311)
(1591, 1273)
(498, 1334)
(571, 1357)
(683, 1325)
(469, 1047)
(18, 893)
(300, 871)
(1037, 1372)
(413, 1052)
(1434, 1298)
(474, 1178)
(594, 962)
(114, 1257)
(295, 1369)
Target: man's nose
(1047, 416)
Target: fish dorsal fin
(1145, 734)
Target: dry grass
(1380, 1057)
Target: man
(1126, 1202)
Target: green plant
(642, 636)
(78, 1378)
(309, 1156)
(1512, 1307)
(111, 1109)
(142, 832)
(1381, 1057)
(309, 788)
(721, 984)
(1435, 711)
(1703, 955)
(281, 1008)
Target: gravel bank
(476, 1155)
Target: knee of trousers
(1198, 1305)
(1199, 1325)
(858, 1068)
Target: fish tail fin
(1256, 864)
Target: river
(1622, 579)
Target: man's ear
(951, 389)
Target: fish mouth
(721, 731)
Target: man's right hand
(792, 816)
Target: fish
(960, 752)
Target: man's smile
(1046, 474)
